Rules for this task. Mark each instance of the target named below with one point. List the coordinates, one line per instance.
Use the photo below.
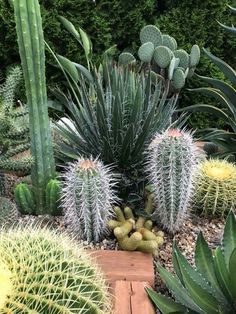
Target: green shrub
(178, 18)
(99, 19)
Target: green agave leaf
(85, 72)
(232, 271)
(69, 67)
(205, 108)
(222, 274)
(223, 66)
(178, 291)
(229, 29)
(229, 237)
(164, 304)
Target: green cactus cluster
(136, 234)
(159, 51)
(8, 211)
(14, 129)
(215, 188)
(87, 198)
(43, 271)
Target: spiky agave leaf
(87, 198)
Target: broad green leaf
(179, 292)
(69, 67)
(223, 66)
(70, 28)
(229, 237)
(229, 29)
(205, 108)
(166, 305)
(85, 72)
(86, 43)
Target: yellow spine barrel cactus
(42, 271)
(215, 188)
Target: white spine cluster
(88, 195)
(172, 161)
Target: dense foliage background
(119, 21)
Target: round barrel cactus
(8, 211)
(87, 198)
(215, 188)
(42, 271)
(172, 161)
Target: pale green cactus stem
(151, 33)
(169, 42)
(178, 80)
(183, 57)
(31, 48)
(126, 58)
(162, 56)
(194, 56)
(146, 51)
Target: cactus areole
(31, 48)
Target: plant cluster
(209, 287)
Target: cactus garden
(99, 157)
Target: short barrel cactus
(215, 188)
(87, 197)
(42, 271)
(172, 161)
(8, 211)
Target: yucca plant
(210, 286)
(224, 92)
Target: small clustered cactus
(87, 197)
(172, 162)
(42, 271)
(215, 188)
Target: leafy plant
(223, 92)
(43, 271)
(87, 198)
(215, 188)
(31, 48)
(210, 286)
(172, 159)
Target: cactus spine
(42, 271)
(172, 161)
(8, 211)
(31, 48)
(215, 188)
(87, 198)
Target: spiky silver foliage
(172, 160)
(87, 197)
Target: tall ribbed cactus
(172, 160)
(44, 272)
(31, 48)
(87, 196)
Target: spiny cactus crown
(42, 271)
(172, 161)
(88, 195)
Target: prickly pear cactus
(8, 211)
(162, 56)
(126, 58)
(172, 162)
(87, 198)
(145, 52)
(151, 33)
(215, 188)
(42, 271)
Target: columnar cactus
(87, 198)
(42, 271)
(172, 161)
(31, 47)
(215, 188)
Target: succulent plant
(150, 33)
(43, 271)
(87, 198)
(215, 188)
(8, 211)
(126, 58)
(162, 56)
(136, 234)
(146, 51)
(210, 286)
(172, 162)
(31, 47)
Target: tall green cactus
(172, 161)
(31, 48)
